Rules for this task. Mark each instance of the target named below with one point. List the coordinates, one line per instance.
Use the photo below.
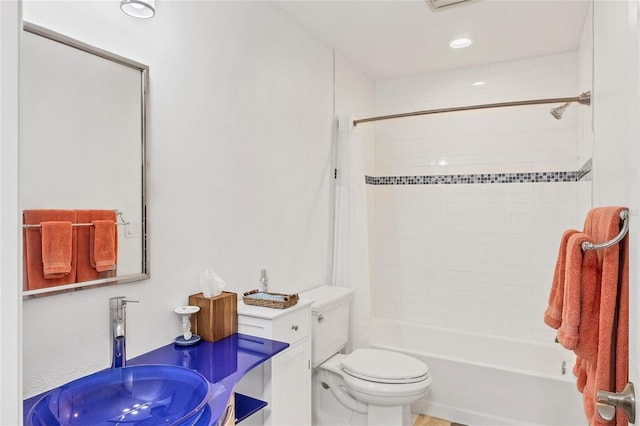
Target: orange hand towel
(87, 272)
(553, 314)
(103, 248)
(581, 309)
(57, 248)
(33, 249)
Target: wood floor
(424, 420)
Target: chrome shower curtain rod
(583, 98)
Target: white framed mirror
(82, 153)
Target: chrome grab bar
(624, 215)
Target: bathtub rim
(375, 342)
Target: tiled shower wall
(470, 251)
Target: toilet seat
(382, 366)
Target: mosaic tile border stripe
(528, 177)
(533, 177)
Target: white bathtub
(488, 380)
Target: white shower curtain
(351, 241)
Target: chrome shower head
(558, 111)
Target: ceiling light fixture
(459, 43)
(478, 83)
(138, 8)
(441, 4)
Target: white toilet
(366, 387)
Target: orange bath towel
(609, 371)
(581, 308)
(86, 246)
(553, 314)
(35, 278)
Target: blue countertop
(223, 363)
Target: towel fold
(581, 309)
(103, 245)
(58, 272)
(580, 371)
(57, 248)
(553, 314)
(87, 266)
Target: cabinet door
(291, 386)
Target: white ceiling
(393, 38)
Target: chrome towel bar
(121, 221)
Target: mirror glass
(83, 154)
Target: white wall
(355, 95)
(476, 257)
(10, 322)
(615, 103)
(240, 168)
(515, 139)
(616, 133)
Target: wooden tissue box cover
(218, 315)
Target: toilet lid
(377, 365)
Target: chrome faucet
(118, 321)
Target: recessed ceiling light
(459, 43)
(441, 4)
(478, 83)
(138, 8)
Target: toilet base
(328, 411)
(389, 415)
(340, 416)
(323, 417)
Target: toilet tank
(330, 320)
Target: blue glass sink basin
(136, 395)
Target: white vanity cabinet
(284, 382)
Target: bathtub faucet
(118, 322)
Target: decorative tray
(270, 300)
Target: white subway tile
(475, 257)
